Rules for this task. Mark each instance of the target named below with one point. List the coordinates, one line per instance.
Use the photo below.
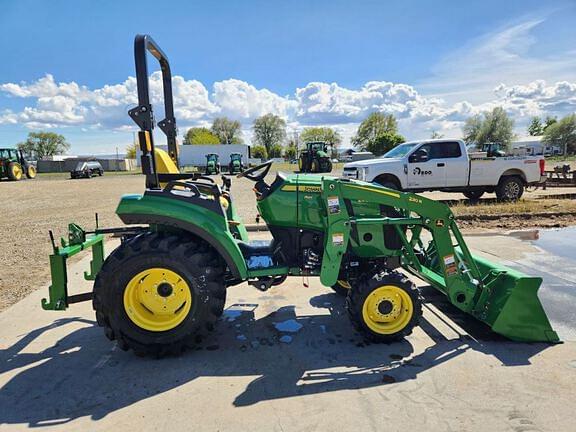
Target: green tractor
(315, 158)
(212, 164)
(235, 166)
(164, 287)
(14, 166)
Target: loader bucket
(509, 304)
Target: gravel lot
(30, 208)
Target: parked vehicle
(212, 164)
(235, 166)
(315, 158)
(445, 165)
(87, 169)
(14, 166)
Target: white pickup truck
(445, 165)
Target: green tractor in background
(235, 166)
(14, 166)
(316, 158)
(212, 164)
(164, 287)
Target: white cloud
(69, 104)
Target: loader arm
(494, 294)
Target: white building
(533, 145)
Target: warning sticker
(333, 205)
(338, 239)
(450, 265)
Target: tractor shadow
(290, 355)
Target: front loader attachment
(511, 306)
(503, 298)
(433, 249)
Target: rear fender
(200, 221)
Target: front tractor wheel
(384, 308)
(341, 287)
(31, 172)
(159, 294)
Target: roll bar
(143, 114)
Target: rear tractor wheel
(159, 294)
(384, 308)
(15, 171)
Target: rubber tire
(100, 173)
(473, 195)
(314, 166)
(340, 290)
(31, 172)
(327, 166)
(192, 259)
(501, 188)
(358, 294)
(11, 176)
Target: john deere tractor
(14, 166)
(212, 164)
(235, 166)
(315, 158)
(164, 287)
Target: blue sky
(66, 64)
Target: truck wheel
(510, 189)
(342, 288)
(384, 308)
(159, 294)
(473, 195)
(15, 171)
(327, 166)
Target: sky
(68, 66)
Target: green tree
(44, 144)
(325, 134)
(492, 127)
(275, 151)
(131, 151)
(259, 152)
(471, 129)
(385, 142)
(269, 131)
(436, 135)
(199, 136)
(562, 133)
(228, 131)
(290, 151)
(378, 133)
(549, 121)
(535, 128)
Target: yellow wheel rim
(157, 299)
(387, 310)
(344, 284)
(17, 172)
(31, 172)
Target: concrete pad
(284, 360)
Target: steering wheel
(249, 173)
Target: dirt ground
(30, 208)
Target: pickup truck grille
(350, 173)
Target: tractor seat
(257, 247)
